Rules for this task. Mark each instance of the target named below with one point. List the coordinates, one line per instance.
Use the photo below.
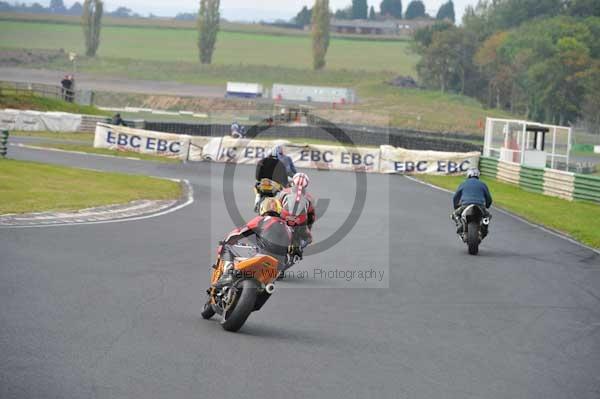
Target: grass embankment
(578, 219)
(13, 100)
(36, 187)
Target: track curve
(113, 310)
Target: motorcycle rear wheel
(235, 318)
(473, 238)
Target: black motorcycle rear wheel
(243, 305)
(473, 238)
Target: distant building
(390, 27)
(318, 94)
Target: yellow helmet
(270, 205)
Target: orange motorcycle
(248, 290)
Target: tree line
(359, 9)
(208, 22)
(58, 7)
(536, 58)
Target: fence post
(3, 143)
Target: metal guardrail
(82, 97)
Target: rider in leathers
(471, 192)
(272, 237)
(298, 211)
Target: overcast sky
(252, 10)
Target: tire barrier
(3, 143)
(587, 188)
(551, 182)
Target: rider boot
(456, 219)
(227, 276)
(256, 202)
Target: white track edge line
(189, 201)
(517, 217)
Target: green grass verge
(80, 136)
(104, 151)
(578, 219)
(37, 103)
(37, 187)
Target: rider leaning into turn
(471, 192)
(272, 237)
(298, 211)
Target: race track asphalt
(112, 310)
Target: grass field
(36, 187)
(578, 219)
(233, 48)
(151, 53)
(169, 23)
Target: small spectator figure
(117, 120)
(68, 88)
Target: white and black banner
(383, 159)
(244, 151)
(400, 160)
(142, 141)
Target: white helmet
(473, 172)
(300, 180)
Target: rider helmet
(276, 151)
(300, 180)
(473, 172)
(270, 207)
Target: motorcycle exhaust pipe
(270, 288)
(486, 221)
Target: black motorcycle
(473, 225)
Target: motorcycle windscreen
(263, 268)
